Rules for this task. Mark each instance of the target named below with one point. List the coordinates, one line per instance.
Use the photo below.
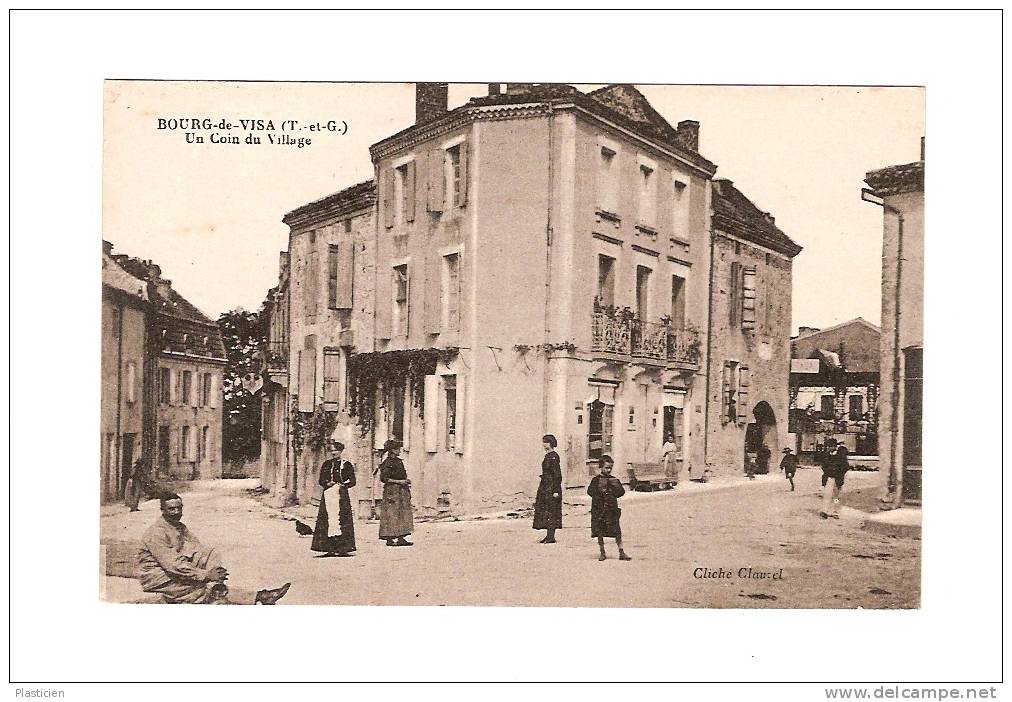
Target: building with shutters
(187, 360)
(749, 340)
(834, 387)
(544, 254)
(313, 321)
(899, 190)
(126, 392)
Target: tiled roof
(347, 200)
(621, 104)
(735, 213)
(894, 180)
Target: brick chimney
(514, 88)
(807, 330)
(494, 89)
(922, 148)
(431, 101)
(687, 134)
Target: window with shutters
(455, 185)
(741, 400)
(205, 398)
(648, 195)
(333, 271)
(748, 297)
(450, 411)
(599, 429)
(400, 321)
(826, 407)
(164, 386)
(642, 293)
(187, 389)
(856, 408)
(130, 379)
(312, 286)
(185, 445)
(331, 379)
(734, 285)
(450, 296)
(404, 192)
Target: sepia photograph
(574, 345)
(505, 346)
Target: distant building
(834, 388)
(184, 363)
(900, 191)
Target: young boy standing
(604, 491)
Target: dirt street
(672, 537)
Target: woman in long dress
(548, 503)
(396, 519)
(336, 478)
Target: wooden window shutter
(459, 436)
(195, 390)
(436, 175)
(384, 302)
(409, 192)
(431, 409)
(748, 297)
(333, 277)
(213, 395)
(173, 386)
(735, 291)
(453, 291)
(307, 380)
(345, 298)
(331, 379)
(433, 293)
(462, 191)
(725, 392)
(744, 380)
(388, 198)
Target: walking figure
(835, 470)
(789, 465)
(604, 491)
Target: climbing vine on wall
(372, 375)
(311, 429)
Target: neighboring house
(126, 400)
(187, 360)
(749, 332)
(900, 191)
(834, 387)
(534, 261)
(274, 354)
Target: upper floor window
(451, 291)
(607, 180)
(680, 209)
(648, 195)
(400, 326)
(187, 389)
(205, 396)
(642, 292)
(605, 281)
(677, 302)
(455, 175)
(404, 192)
(164, 386)
(130, 381)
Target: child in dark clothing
(604, 491)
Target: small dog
(302, 528)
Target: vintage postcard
(524, 344)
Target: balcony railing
(610, 334)
(615, 333)
(649, 340)
(683, 346)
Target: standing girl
(548, 504)
(396, 519)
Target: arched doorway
(762, 432)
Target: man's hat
(787, 450)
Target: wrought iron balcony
(683, 347)
(610, 334)
(649, 340)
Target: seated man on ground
(175, 565)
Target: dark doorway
(913, 380)
(762, 432)
(126, 462)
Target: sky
(210, 214)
